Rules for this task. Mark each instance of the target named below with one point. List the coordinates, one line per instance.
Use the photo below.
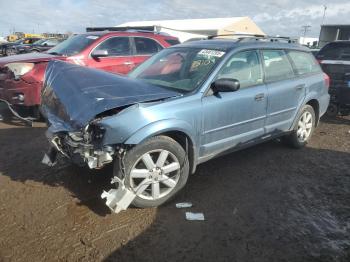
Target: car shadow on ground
(22, 149)
(336, 120)
(266, 203)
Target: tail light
(327, 80)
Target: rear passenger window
(245, 67)
(146, 46)
(304, 63)
(116, 46)
(277, 65)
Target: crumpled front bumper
(79, 152)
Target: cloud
(283, 17)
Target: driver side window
(245, 67)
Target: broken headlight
(19, 69)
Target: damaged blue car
(183, 106)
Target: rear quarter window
(304, 63)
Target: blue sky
(283, 17)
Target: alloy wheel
(155, 174)
(305, 125)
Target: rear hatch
(335, 61)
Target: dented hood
(30, 57)
(74, 95)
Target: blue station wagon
(183, 106)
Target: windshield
(73, 45)
(182, 69)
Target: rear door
(286, 92)
(119, 58)
(235, 118)
(144, 47)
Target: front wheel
(303, 128)
(155, 170)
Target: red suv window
(146, 46)
(116, 46)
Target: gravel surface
(266, 203)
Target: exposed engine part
(74, 146)
(99, 159)
(118, 199)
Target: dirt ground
(266, 203)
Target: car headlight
(19, 69)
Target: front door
(119, 58)
(235, 118)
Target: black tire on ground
(292, 139)
(332, 110)
(6, 117)
(151, 144)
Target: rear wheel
(155, 170)
(303, 128)
(332, 110)
(10, 51)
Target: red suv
(21, 76)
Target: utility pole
(305, 29)
(324, 13)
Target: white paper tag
(92, 37)
(194, 216)
(210, 52)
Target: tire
(146, 172)
(332, 110)
(6, 116)
(302, 130)
(10, 52)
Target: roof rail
(238, 34)
(141, 29)
(257, 37)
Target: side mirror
(99, 53)
(225, 85)
(45, 44)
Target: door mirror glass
(99, 53)
(225, 85)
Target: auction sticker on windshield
(209, 52)
(94, 37)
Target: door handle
(259, 97)
(299, 87)
(128, 63)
